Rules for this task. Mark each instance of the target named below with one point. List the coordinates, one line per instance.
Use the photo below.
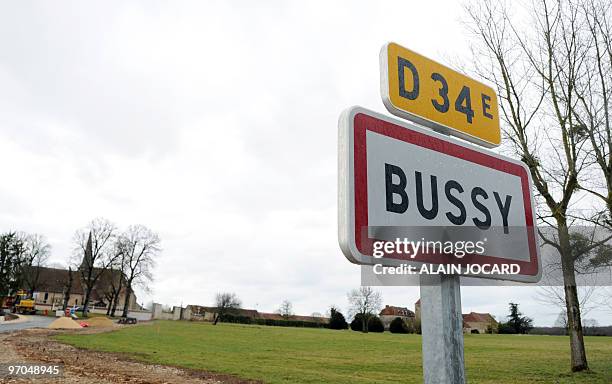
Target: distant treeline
(560, 331)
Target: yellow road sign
(419, 89)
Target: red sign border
(363, 122)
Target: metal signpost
(398, 174)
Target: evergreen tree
(517, 322)
(337, 320)
(398, 325)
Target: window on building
(46, 297)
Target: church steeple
(87, 261)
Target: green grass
(298, 355)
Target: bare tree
(594, 91)
(286, 309)
(317, 317)
(225, 302)
(561, 321)
(116, 285)
(537, 67)
(108, 297)
(591, 323)
(605, 298)
(93, 254)
(554, 296)
(364, 302)
(36, 255)
(139, 246)
(117, 278)
(586, 264)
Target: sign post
(442, 329)
(415, 179)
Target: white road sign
(396, 177)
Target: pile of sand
(99, 322)
(64, 323)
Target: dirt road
(26, 322)
(88, 367)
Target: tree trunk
(572, 304)
(115, 300)
(126, 303)
(34, 284)
(86, 302)
(114, 307)
(66, 299)
(67, 288)
(364, 323)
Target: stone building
(390, 312)
(479, 323)
(202, 313)
(51, 284)
(472, 322)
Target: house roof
(270, 316)
(199, 309)
(474, 317)
(254, 314)
(390, 310)
(277, 316)
(55, 280)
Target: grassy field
(297, 355)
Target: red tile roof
(390, 310)
(474, 317)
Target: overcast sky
(214, 123)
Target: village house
(52, 283)
(389, 313)
(472, 322)
(479, 323)
(201, 313)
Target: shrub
(289, 323)
(505, 328)
(357, 323)
(398, 325)
(238, 319)
(375, 324)
(417, 326)
(491, 328)
(337, 320)
(229, 318)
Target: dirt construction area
(88, 367)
